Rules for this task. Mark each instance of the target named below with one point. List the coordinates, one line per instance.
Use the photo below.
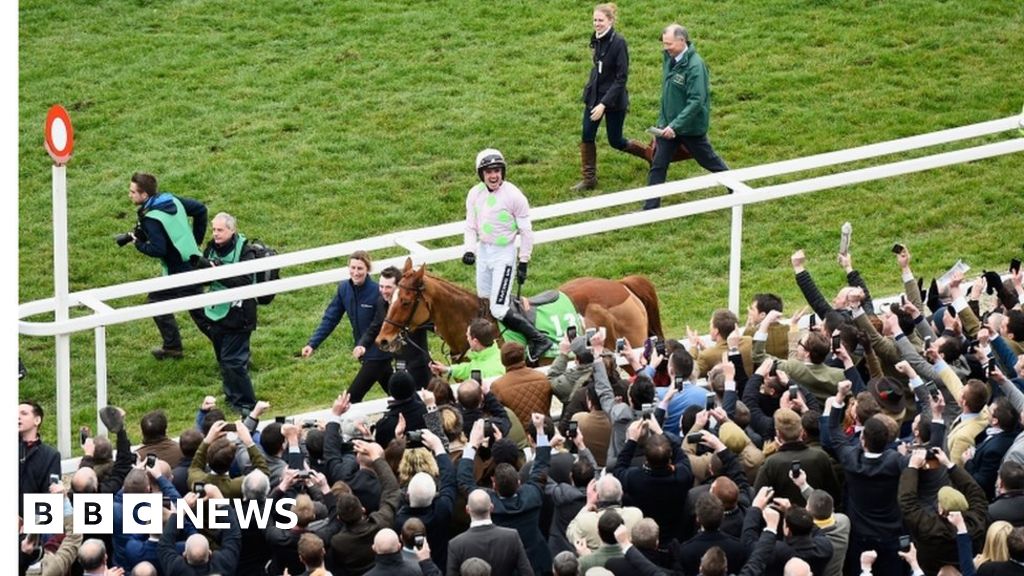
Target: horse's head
(408, 310)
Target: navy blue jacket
(360, 303)
(984, 466)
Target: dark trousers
(699, 147)
(370, 371)
(888, 563)
(613, 127)
(166, 323)
(231, 347)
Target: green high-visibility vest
(178, 231)
(219, 311)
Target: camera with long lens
(123, 239)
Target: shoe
(113, 418)
(538, 342)
(588, 160)
(161, 353)
(640, 151)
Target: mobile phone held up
(476, 375)
(574, 427)
(794, 468)
(590, 334)
(898, 248)
(620, 345)
(570, 333)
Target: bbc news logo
(143, 513)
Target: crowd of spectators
(875, 439)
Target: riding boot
(588, 159)
(538, 342)
(639, 150)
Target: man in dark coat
(499, 547)
(37, 462)
(516, 505)
(405, 402)
(1009, 502)
(982, 462)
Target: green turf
(320, 122)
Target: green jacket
(487, 361)
(685, 94)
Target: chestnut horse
(626, 308)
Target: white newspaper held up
(946, 278)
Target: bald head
(796, 567)
(92, 555)
(84, 481)
(144, 569)
(197, 550)
(478, 504)
(386, 542)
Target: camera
(230, 427)
(279, 419)
(570, 333)
(309, 423)
(794, 468)
(150, 460)
(620, 344)
(414, 436)
(647, 409)
(54, 478)
(898, 248)
(123, 240)
(574, 427)
(694, 438)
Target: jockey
(496, 211)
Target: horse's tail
(644, 290)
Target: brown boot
(588, 159)
(637, 149)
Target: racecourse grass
(321, 122)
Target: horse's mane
(451, 285)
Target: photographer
(163, 232)
(229, 325)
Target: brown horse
(626, 308)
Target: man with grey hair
(685, 112)
(198, 559)
(603, 494)
(565, 564)
(433, 504)
(499, 547)
(229, 325)
(92, 557)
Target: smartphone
(991, 368)
(648, 410)
(951, 310)
(775, 369)
(167, 503)
(488, 429)
(793, 392)
(54, 478)
(199, 488)
(927, 342)
(150, 460)
(649, 347)
(279, 419)
(573, 429)
(904, 543)
(710, 404)
(418, 540)
(836, 342)
(659, 347)
(1015, 265)
(476, 375)
(678, 382)
(229, 427)
(309, 423)
(570, 333)
(812, 320)
(694, 438)
(898, 248)
(590, 334)
(83, 435)
(620, 344)
(794, 468)
(933, 389)
(932, 454)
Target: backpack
(261, 250)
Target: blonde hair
(416, 460)
(304, 510)
(610, 10)
(995, 549)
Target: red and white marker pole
(59, 141)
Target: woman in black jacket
(605, 95)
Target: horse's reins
(403, 329)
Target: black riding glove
(521, 272)
(469, 258)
